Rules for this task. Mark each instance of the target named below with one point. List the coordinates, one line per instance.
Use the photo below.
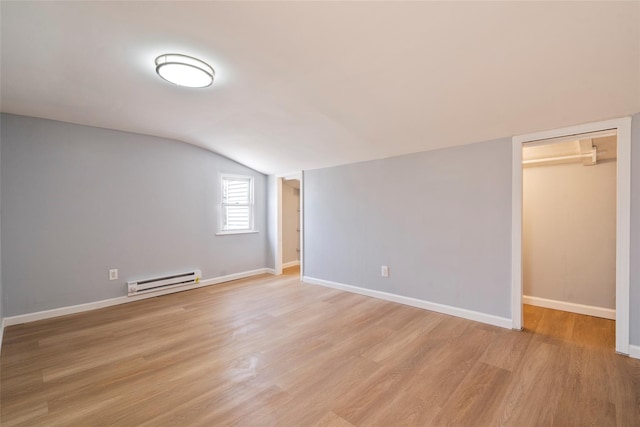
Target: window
(236, 206)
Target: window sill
(224, 233)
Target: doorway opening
(569, 238)
(621, 128)
(289, 225)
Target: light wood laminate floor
(270, 351)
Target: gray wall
(441, 221)
(78, 200)
(634, 299)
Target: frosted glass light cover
(184, 70)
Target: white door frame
(623, 219)
(278, 261)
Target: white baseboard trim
(62, 311)
(476, 316)
(271, 271)
(290, 264)
(634, 351)
(230, 277)
(589, 310)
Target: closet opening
(580, 223)
(569, 237)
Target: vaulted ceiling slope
(302, 85)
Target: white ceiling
(302, 85)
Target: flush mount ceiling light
(183, 70)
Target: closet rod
(570, 157)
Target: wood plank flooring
(270, 351)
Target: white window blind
(237, 203)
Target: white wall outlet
(113, 274)
(385, 271)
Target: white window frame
(221, 205)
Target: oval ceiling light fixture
(183, 70)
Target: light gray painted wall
(290, 223)
(634, 299)
(441, 221)
(78, 200)
(569, 233)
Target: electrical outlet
(385, 271)
(113, 274)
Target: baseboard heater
(166, 282)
